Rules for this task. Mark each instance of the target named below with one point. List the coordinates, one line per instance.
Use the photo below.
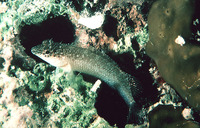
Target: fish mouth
(37, 50)
(34, 50)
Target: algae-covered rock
(34, 94)
(171, 47)
(58, 99)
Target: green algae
(72, 102)
(142, 36)
(36, 80)
(57, 99)
(125, 45)
(44, 90)
(68, 101)
(20, 13)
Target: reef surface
(35, 94)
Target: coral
(123, 27)
(72, 103)
(171, 47)
(50, 97)
(19, 117)
(35, 80)
(67, 98)
(27, 86)
(11, 114)
(167, 95)
(28, 12)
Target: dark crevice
(149, 92)
(2, 60)
(58, 29)
(111, 106)
(80, 5)
(146, 6)
(110, 26)
(195, 25)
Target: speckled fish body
(88, 61)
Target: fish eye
(47, 52)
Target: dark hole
(78, 4)
(57, 28)
(146, 6)
(196, 115)
(110, 26)
(1, 62)
(111, 106)
(149, 92)
(195, 25)
(131, 23)
(135, 45)
(41, 78)
(167, 11)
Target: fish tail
(136, 113)
(131, 91)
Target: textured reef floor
(151, 43)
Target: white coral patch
(96, 86)
(179, 40)
(3, 7)
(187, 113)
(92, 22)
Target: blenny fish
(95, 63)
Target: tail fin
(131, 91)
(136, 115)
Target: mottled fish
(95, 63)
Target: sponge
(171, 47)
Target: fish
(97, 64)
